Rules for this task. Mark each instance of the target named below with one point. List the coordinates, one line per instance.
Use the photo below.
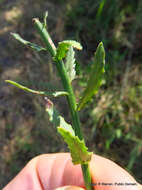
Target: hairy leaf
(64, 46)
(70, 63)
(96, 76)
(79, 152)
(32, 45)
(55, 94)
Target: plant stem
(86, 176)
(70, 98)
(68, 88)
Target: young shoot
(64, 58)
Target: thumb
(106, 175)
(69, 188)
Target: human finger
(51, 171)
(107, 175)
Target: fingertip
(69, 188)
(140, 186)
(105, 173)
(26, 179)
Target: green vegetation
(72, 135)
(113, 117)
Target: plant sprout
(64, 58)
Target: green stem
(68, 88)
(70, 98)
(87, 176)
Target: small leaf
(70, 63)
(95, 78)
(44, 19)
(72, 43)
(133, 155)
(77, 147)
(64, 46)
(59, 93)
(54, 94)
(32, 45)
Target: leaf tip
(13, 34)
(101, 44)
(46, 14)
(35, 20)
(7, 81)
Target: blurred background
(112, 122)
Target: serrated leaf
(95, 78)
(64, 46)
(79, 152)
(70, 63)
(27, 43)
(54, 94)
(77, 147)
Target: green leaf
(72, 43)
(44, 19)
(32, 45)
(54, 94)
(95, 78)
(70, 63)
(133, 155)
(64, 46)
(79, 152)
(59, 93)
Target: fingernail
(69, 188)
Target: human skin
(51, 171)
